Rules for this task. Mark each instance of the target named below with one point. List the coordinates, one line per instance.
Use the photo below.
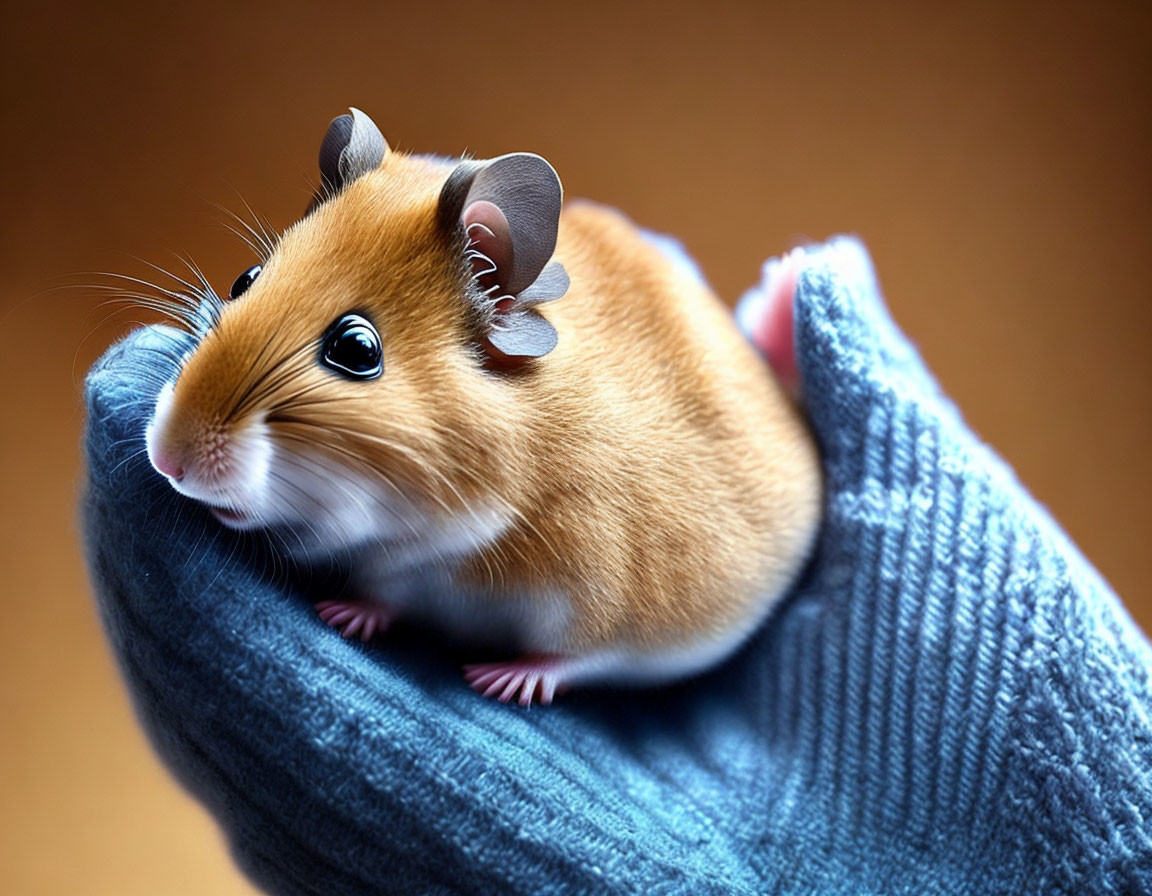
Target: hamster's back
(672, 475)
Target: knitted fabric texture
(950, 701)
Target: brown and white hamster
(612, 484)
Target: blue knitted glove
(951, 701)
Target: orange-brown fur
(653, 470)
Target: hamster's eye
(352, 348)
(241, 284)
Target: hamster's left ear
(509, 208)
(352, 147)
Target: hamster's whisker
(243, 383)
(286, 556)
(329, 474)
(267, 231)
(205, 291)
(172, 312)
(191, 287)
(253, 394)
(350, 455)
(184, 308)
(227, 564)
(259, 244)
(266, 395)
(359, 435)
(142, 300)
(171, 356)
(135, 455)
(262, 241)
(183, 298)
(257, 249)
(298, 404)
(148, 375)
(195, 306)
(285, 427)
(428, 469)
(285, 481)
(440, 477)
(295, 400)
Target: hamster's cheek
(323, 504)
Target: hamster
(520, 420)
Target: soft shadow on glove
(951, 701)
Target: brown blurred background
(995, 158)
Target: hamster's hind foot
(351, 617)
(535, 676)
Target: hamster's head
(353, 387)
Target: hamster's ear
(510, 210)
(352, 147)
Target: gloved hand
(951, 701)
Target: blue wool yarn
(951, 701)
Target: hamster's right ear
(509, 211)
(352, 147)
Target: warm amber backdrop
(995, 157)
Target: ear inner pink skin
(487, 230)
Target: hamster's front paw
(352, 617)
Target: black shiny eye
(241, 284)
(352, 347)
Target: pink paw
(538, 676)
(351, 617)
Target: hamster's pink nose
(167, 464)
